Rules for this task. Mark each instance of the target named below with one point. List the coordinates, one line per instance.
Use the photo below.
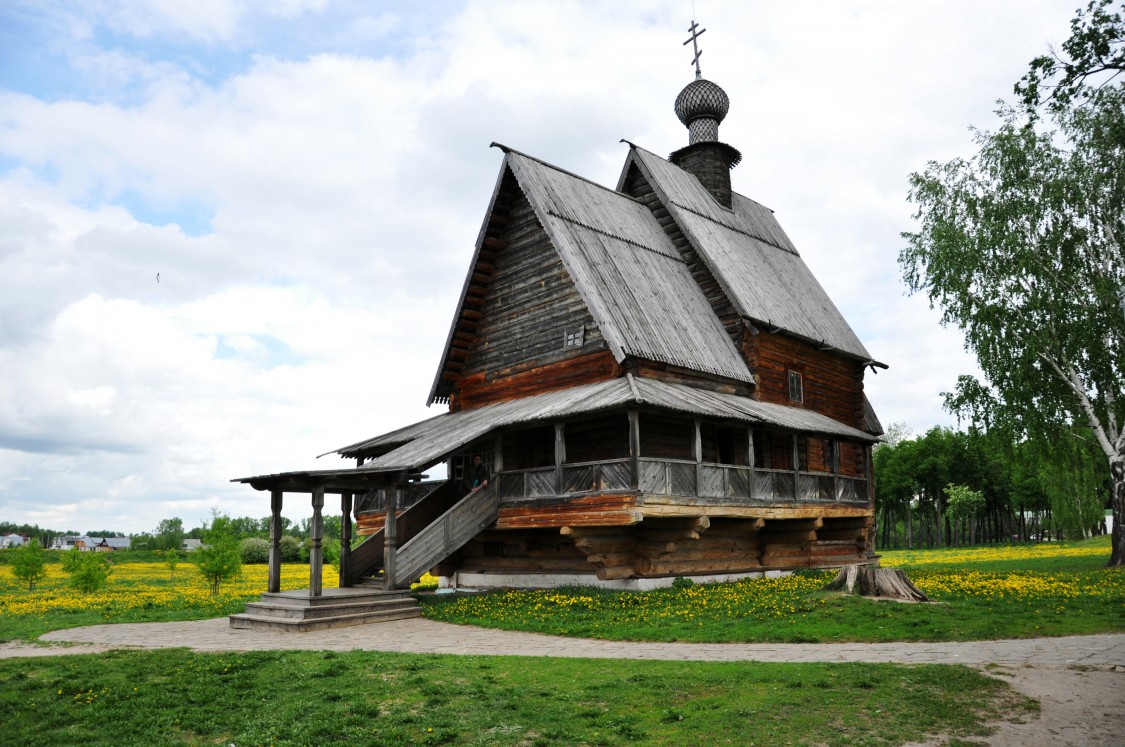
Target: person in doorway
(476, 475)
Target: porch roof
(422, 444)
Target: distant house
(191, 545)
(103, 544)
(64, 542)
(13, 540)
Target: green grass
(174, 697)
(982, 593)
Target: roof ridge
(729, 227)
(618, 237)
(561, 170)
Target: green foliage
(1095, 52)
(219, 558)
(88, 571)
(331, 548)
(171, 559)
(290, 548)
(965, 504)
(218, 561)
(1022, 246)
(254, 550)
(169, 534)
(29, 565)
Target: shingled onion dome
(701, 106)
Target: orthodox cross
(695, 45)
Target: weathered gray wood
(445, 536)
(884, 583)
(634, 445)
(560, 455)
(390, 537)
(345, 539)
(316, 552)
(273, 584)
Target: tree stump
(882, 583)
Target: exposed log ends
(882, 583)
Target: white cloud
(311, 210)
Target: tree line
(947, 488)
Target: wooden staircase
(295, 611)
(428, 532)
(431, 530)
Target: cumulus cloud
(308, 178)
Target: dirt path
(1079, 681)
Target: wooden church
(655, 382)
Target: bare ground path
(1078, 680)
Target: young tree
(28, 564)
(88, 571)
(1021, 247)
(218, 560)
(171, 559)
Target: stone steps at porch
(295, 611)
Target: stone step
(296, 625)
(359, 606)
(331, 597)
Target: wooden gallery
(654, 381)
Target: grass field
(980, 593)
(136, 592)
(177, 697)
(174, 697)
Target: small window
(574, 339)
(796, 387)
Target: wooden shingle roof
(751, 256)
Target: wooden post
(835, 446)
(390, 537)
(795, 456)
(497, 463)
(560, 455)
(698, 449)
(345, 539)
(274, 584)
(750, 461)
(634, 449)
(316, 554)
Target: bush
(28, 564)
(88, 570)
(290, 548)
(330, 547)
(254, 550)
(218, 561)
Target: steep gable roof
(750, 255)
(631, 278)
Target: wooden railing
(367, 558)
(445, 536)
(679, 477)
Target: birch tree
(1020, 246)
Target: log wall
(833, 385)
(695, 545)
(530, 304)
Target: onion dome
(701, 106)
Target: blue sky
(307, 178)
